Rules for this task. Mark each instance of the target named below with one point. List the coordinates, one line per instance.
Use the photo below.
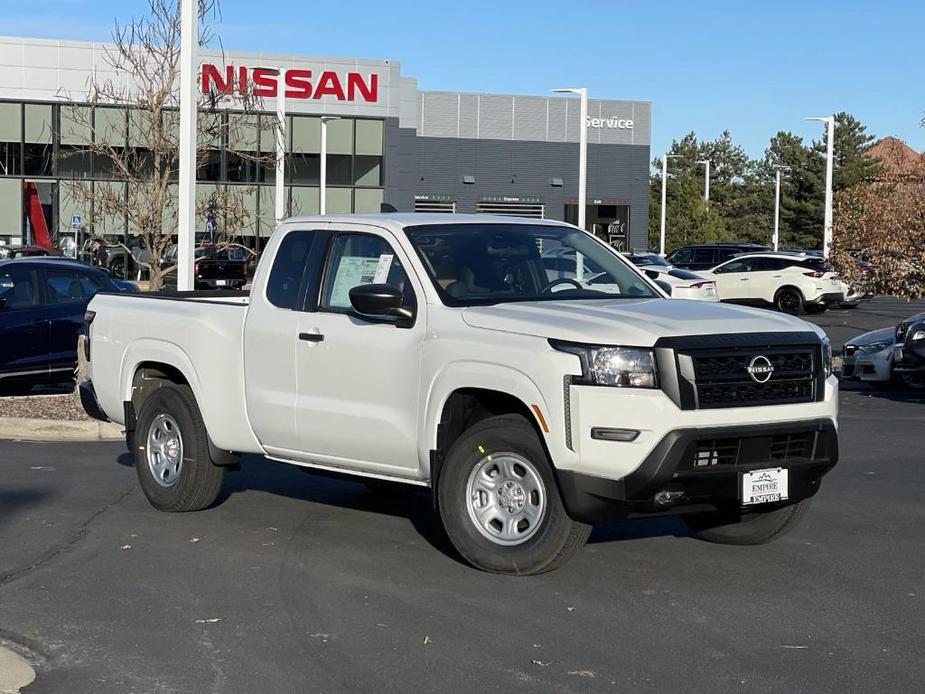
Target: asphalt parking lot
(296, 582)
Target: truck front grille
(746, 377)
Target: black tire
(789, 300)
(912, 381)
(117, 268)
(554, 538)
(197, 481)
(754, 528)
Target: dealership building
(418, 150)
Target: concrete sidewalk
(28, 429)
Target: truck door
(358, 377)
(271, 345)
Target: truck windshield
(479, 264)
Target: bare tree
(142, 152)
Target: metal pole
(776, 208)
(661, 244)
(280, 187)
(829, 166)
(706, 182)
(583, 158)
(186, 227)
(323, 178)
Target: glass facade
(43, 146)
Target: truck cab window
(288, 268)
(358, 259)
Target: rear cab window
(285, 285)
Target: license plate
(764, 486)
(221, 283)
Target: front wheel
(499, 502)
(172, 452)
(913, 381)
(751, 528)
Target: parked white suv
(791, 283)
(435, 350)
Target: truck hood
(638, 322)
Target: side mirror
(651, 274)
(665, 287)
(381, 300)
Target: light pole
(829, 166)
(665, 158)
(777, 169)
(186, 225)
(582, 92)
(706, 180)
(323, 193)
(280, 131)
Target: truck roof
(405, 219)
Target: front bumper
(89, 402)
(669, 480)
(868, 367)
(909, 359)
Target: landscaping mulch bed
(46, 403)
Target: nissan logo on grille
(760, 369)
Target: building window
(10, 139)
(37, 154)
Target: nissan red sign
(301, 83)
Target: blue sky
(752, 67)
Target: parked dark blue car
(42, 305)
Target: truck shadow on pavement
(395, 499)
(13, 500)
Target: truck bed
(198, 332)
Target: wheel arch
(468, 393)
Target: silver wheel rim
(165, 450)
(506, 498)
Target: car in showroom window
(481, 264)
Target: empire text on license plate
(764, 486)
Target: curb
(25, 429)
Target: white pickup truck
(436, 350)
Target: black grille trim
(712, 370)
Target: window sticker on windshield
(382, 269)
(351, 272)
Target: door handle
(743, 279)
(311, 337)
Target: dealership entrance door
(608, 219)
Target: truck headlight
(623, 367)
(918, 335)
(827, 356)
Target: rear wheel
(499, 502)
(752, 528)
(789, 300)
(172, 452)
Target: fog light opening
(666, 497)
